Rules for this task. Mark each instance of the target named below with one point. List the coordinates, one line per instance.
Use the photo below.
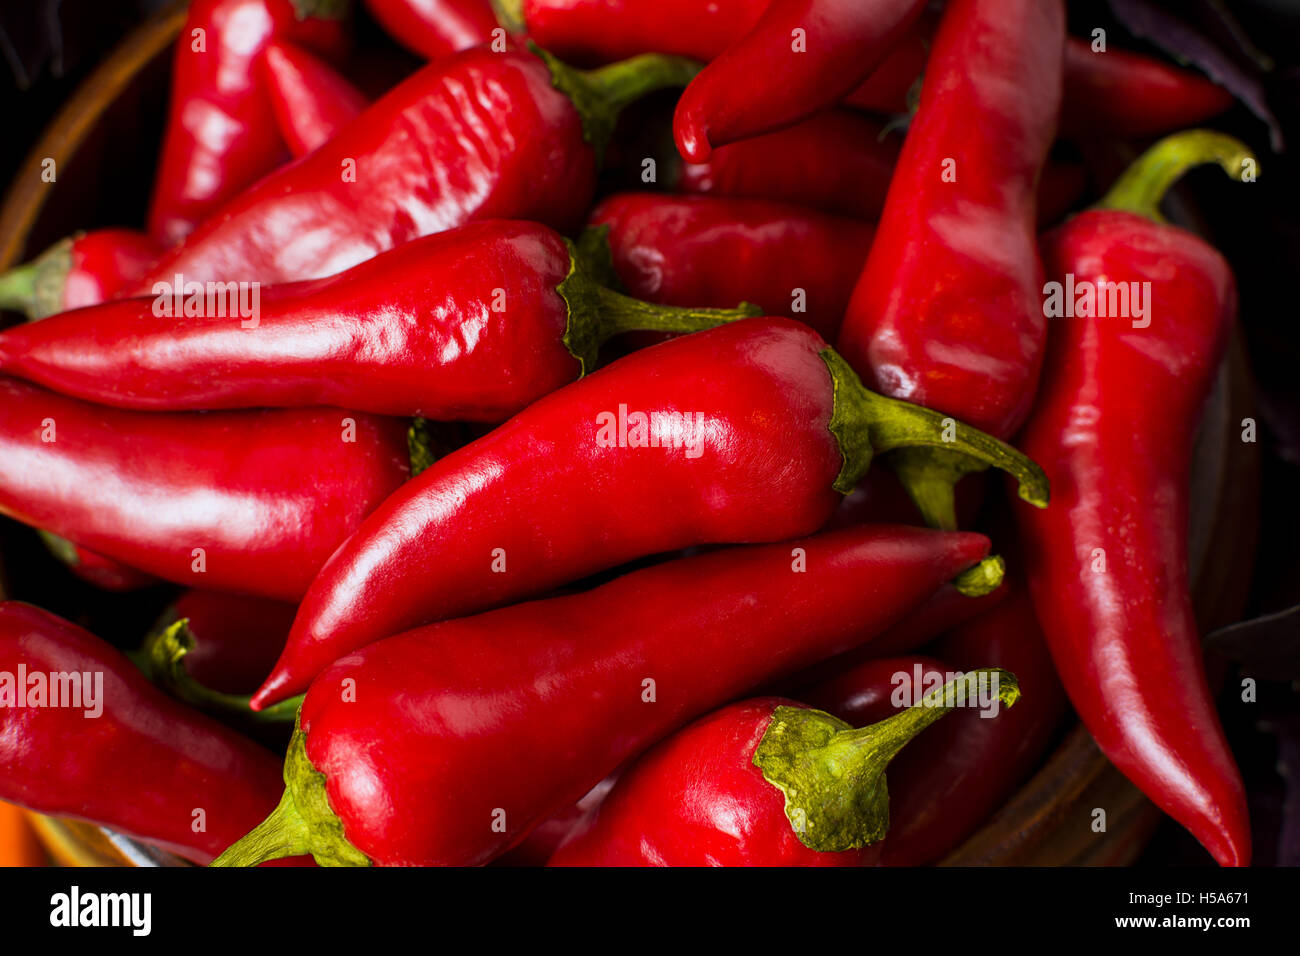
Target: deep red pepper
(801, 57)
(144, 766)
(542, 842)
(219, 137)
(892, 88)
(472, 324)
(837, 161)
(237, 637)
(479, 135)
(310, 99)
(597, 31)
(93, 568)
(267, 496)
(1114, 429)
(84, 269)
(960, 328)
(954, 778)
(757, 426)
(434, 28)
(1119, 94)
(420, 764)
(869, 691)
(697, 250)
(764, 782)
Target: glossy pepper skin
(267, 495)
(479, 135)
(84, 269)
(960, 328)
(955, 777)
(311, 101)
(768, 79)
(597, 31)
(219, 137)
(425, 756)
(435, 28)
(764, 782)
(697, 250)
(237, 637)
(143, 766)
(1120, 94)
(1114, 429)
(836, 161)
(759, 395)
(472, 324)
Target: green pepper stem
(162, 658)
(833, 776)
(510, 14)
(596, 313)
(866, 424)
(303, 822)
(323, 9)
(985, 578)
(599, 95)
(1144, 184)
(420, 445)
(283, 833)
(18, 288)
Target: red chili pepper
(237, 638)
(434, 28)
(869, 691)
(892, 87)
(471, 324)
(764, 782)
(94, 568)
(408, 750)
(250, 502)
(542, 842)
(479, 135)
(1119, 94)
(960, 329)
(836, 161)
(218, 138)
(801, 57)
(1114, 429)
(597, 31)
(120, 753)
(310, 99)
(757, 425)
(697, 250)
(954, 778)
(84, 269)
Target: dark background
(48, 47)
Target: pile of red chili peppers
(505, 440)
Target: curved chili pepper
(250, 502)
(407, 751)
(311, 101)
(836, 161)
(219, 126)
(471, 324)
(953, 779)
(764, 782)
(1114, 429)
(84, 269)
(757, 425)
(960, 329)
(696, 250)
(124, 755)
(237, 637)
(800, 57)
(892, 87)
(1120, 94)
(479, 135)
(435, 28)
